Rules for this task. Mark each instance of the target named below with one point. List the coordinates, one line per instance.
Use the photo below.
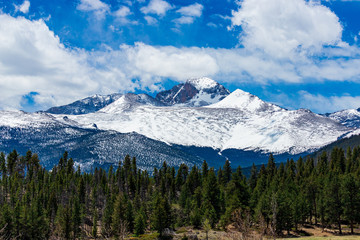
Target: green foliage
(161, 214)
(67, 204)
(140, 224)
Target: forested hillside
(67, 203)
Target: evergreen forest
(66, 203)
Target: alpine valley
(194, 121)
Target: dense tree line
(69, 204)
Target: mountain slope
(344, 143)
(349, 117)
(195, 121)
(246, 102)
(86, 105)
(240, 121)
(90, 147)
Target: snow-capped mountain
(349, 117)
(239, 121)
(129, 101)
(195, 92)
(197, 120)
(86, 105)
(49, 137)
(246, 102)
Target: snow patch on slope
(23, 119)
(349, 117)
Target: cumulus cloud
(122, 16)
(32, 59)
(322, 104)
(99, 8)
(122, 12)
(184, 20)
(169, 62)
(24, 8)
(282, 27)
(158, 7)
(194, 10)
(189, 13)
(151, 20)
(317, 102)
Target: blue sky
(295, 53)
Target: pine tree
(64, 222)
(205, 169)
(161, 214)
(6, 222)
(129, 216)
(76, 217)
(107, 216)
(12, 161)
(322, 164)
(118, 222)
(140, 224)
(271, 167)
(350, 200)
(94, 227)
(2, 164)
(333, 200)
(227, 171)
(253, 177)
(211, 194)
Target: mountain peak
(86, 105)
(245, 101)
(129, 100)
(195, 92)
(202, 83)
(348, 117)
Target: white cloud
(99, 8)
(123, 12)
(24, 8)
(317, 102)
(189, 13)
(340, 0)
(151, 20)
(158, 7)
(147, 62)
(212, 25)
(194, 10)
(122, 16)
(32, 59)
(322, 104)
(184, 20)
(282, 27)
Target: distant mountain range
(194, 121)
(348, 117)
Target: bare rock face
(195, 92)
(86, 105)
(181, 93)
